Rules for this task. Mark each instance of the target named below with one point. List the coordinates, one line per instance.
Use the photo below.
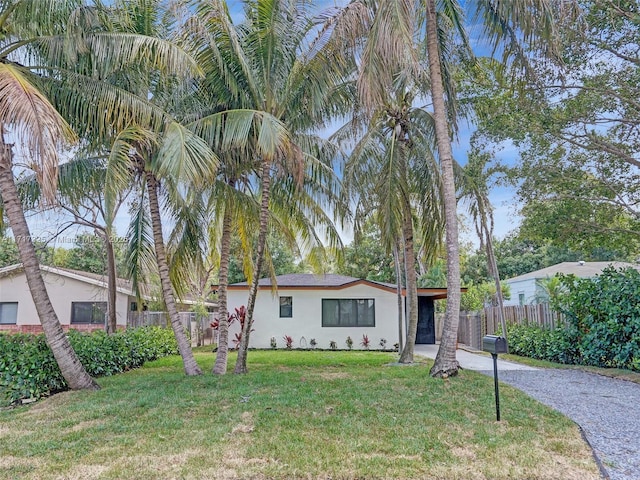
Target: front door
(426, 321)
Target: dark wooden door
(426, 321)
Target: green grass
(295, 415)
(619, 373)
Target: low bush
(534, 341)
(602, 323)
(603, 316)
(29, 370)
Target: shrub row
(534, 341)
(29, 370)
(602, 323)
(598, 347)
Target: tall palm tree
(270, 63)
(397, 28)
(475, 189)
(68, 80)
(530, 23)
(167, 160)
(390, 169)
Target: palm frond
(35, 123)
(243, 128)
(118, 175)
(183, 155)
(140, 255)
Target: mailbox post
(495, 345)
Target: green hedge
(602, 324)
(603, 314)
(534, 341)
(29, 370)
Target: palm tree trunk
(396, 258)
(184, 347)
(112, 322)
(72, 369)
(241, 362)
(412, 285)
(445, 363)
(220, 367)
(493, 271)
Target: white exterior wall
(62, 291)
(307, 317)
(526, 287)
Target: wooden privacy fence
(540, 314)
(197, 327)
(475, 325)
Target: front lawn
(338, 415)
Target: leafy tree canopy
(365, 257)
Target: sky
(505, 210)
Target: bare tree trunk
(412, 285)
(184, 347)
(220, 366)
(493, 271)
(72, 369)
(241, 362)
(396, 257)
(445, 363)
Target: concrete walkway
(472, 361)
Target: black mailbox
(494, 344)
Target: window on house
(286, 307)
(346, 312)
(521, 299)
(88, 312)
(8, 313)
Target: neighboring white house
(525, 289)
(330, 308)
(79, 299)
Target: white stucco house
(525, 289)
(330, 308)
(79, 299)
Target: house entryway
(426, 333)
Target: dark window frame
(353, 304)
(95, 307)
(286, 310)
(15, 322)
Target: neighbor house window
(345, 312)
(286, 307)
(88, 312)
(521, 299)
(8, 313)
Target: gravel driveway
(607, 409)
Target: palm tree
(518, 23)
(36, 100)
(474, 185)
(270, 64)
(396, 29)
(83, 77)
(388, 170)
(29, 117)
(168, 160)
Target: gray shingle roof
(579, 269)
(306, 280)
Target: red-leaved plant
(366, 343)
(288, 342)
(240, 315)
